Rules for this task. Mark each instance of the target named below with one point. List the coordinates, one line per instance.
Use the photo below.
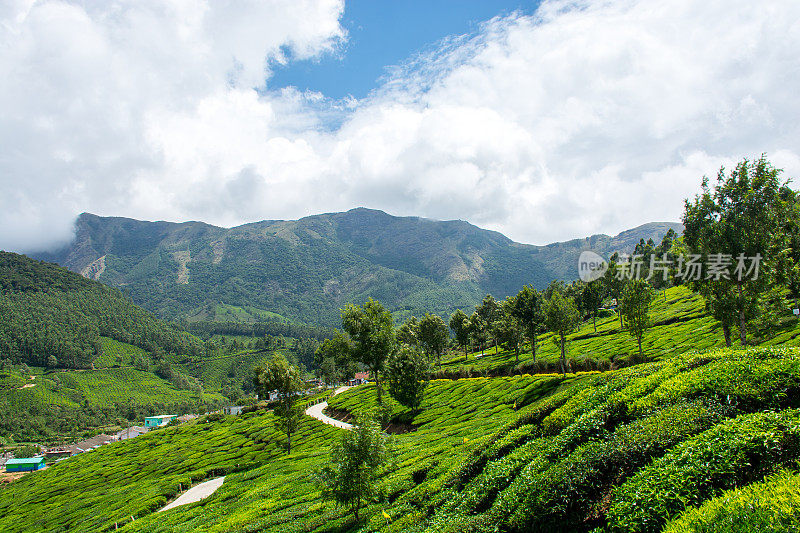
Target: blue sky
(383, 33)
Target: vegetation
(52, 317)
(372, 337)
(357, 461)
(699, 438)
(407, 374)
(562, 318)
(279, 376)
(316, 265)
(635, 309)
(732, 225)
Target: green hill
(646, 448)
(307, 269)
(47, 311)
(97, 360)
(680, 324)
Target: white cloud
(585, 117)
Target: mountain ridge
(308, 268)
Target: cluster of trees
(402, 357)
(748, 213)
(268, 327)
(27, 419)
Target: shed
(26, 464)
(233, 409)
(158, 420)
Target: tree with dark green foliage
(29, 450)
(489, 311)
(372, 337)
(591, 298)
(635, 307)
(527, 308)
(478, 330)
(357, 462)
(562, 318)
(409, 333)
(786, 248)
(433, 336)
(459, 324)
(737, 220)
(278, 375)
(46, 310)
(614, 283)
(407, 374)
(508, 327)
(334, 359)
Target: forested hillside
(51, 317)
(309, 268)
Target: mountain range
(307, 269)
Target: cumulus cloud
(584, 117)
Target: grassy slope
(680, 325)
(621, 451)
(595, 451)
(137, 477)
(282, 496)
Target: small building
(232, 410)
(131, 432)
(359, 379)
(158, 420)
(26, 464)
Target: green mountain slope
(307, 269)
(48, 312)
(77, 356)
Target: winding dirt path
(195, 494)
(316, 412)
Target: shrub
(730, 454)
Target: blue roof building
(25, 464)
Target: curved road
(195, 494)
(316, 411)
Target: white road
(316, 411)
(196, 493)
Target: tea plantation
(703, 441)
(680, 324)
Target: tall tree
(278, 375)
(459, 323)
(433, 336)
(562, 318)
(635, 307)
(527, 308)
(334, 358)
(786, 248)
(614, 283)
(489, 311)
(407, 373)
(478, 330)
(509, 328)
(732, 224)
(591, 296)
(357, 461)
(408, 333)
(372, 335)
